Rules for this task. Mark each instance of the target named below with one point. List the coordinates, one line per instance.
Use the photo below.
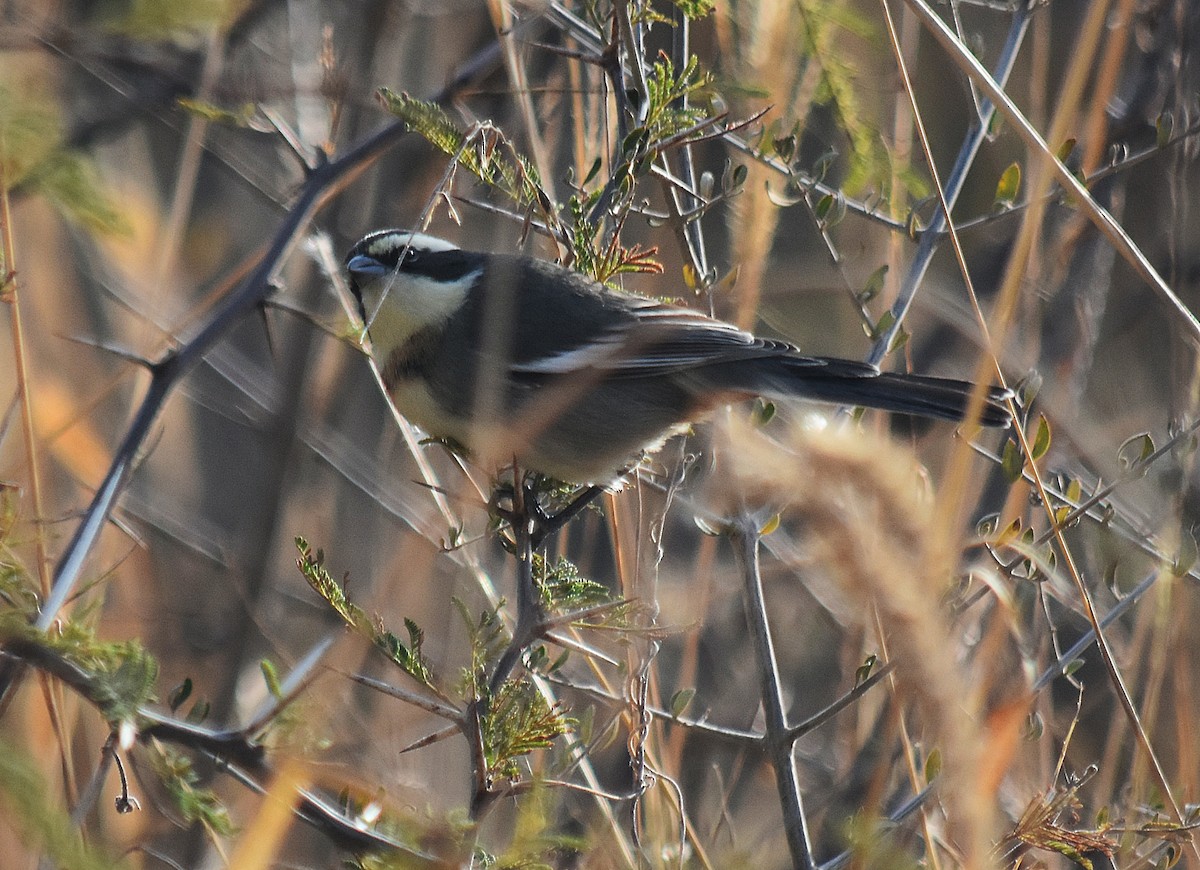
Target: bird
(513, 357)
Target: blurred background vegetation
(152, 150)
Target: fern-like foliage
(666, 86)
(518, 721)
(563, 587)
(117, 676)
(603, 262)
(484, 152)
(487, 638)
(182, 782)
(408, 657)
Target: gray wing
(658, 339)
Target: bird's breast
(410, 360)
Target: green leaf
(408, 658)
(72, 183)
(695, 9)
(1164, 126)
(1134, 451)
(1028, 389)
(913, 225)
(1041, 441)
(518, 720)
(885, 322)
(873, 286)
(179, 694)
(199, 712)
(238, 117)
(558, 663)
(170, 19)
(762, 412)
(271, 677)
(1008, 186)
(121, 693)
(117, 676)
(488, 156)
(635, 142)
(987, 525)
(863, 672)
(830, 210)
(680, 701)
(596, 164)
(536, 658)
(487, 637)
(737, 178)
(820, 169)
(1065, 149)
(1011, 462)
(1010, 533)
(312, 566)
(933, 765)
(784, 147)
(564, 587)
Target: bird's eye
(411, 255)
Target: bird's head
(405, 281)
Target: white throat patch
(408, 303)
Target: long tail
(845, 382)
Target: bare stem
(779, 739)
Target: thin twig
(431, 705)
(897, 815)
(822, 716)
(1108, 227)
(320, 186)
(1103, 221)
(91, 793)
(9, 295)
(240, 754)
(778, 738)
(932, 235)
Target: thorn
(116, 350)
(272, 349)
(302, 152)
(435, 737)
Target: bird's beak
(367, 267)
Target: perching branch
(779, 736)
(319, 188)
